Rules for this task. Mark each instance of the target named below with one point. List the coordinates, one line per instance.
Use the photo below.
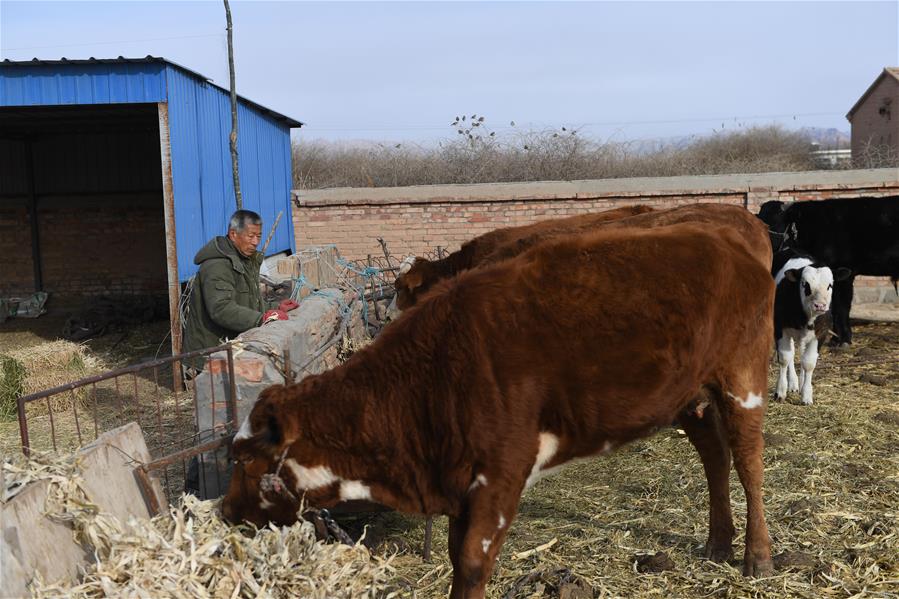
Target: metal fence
(151, 394)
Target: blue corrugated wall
(106, 83)
(199, 125)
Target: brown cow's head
(275, 468)
(409, 282)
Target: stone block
(33, 544)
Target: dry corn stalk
(192, 552)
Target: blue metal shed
(194, 122)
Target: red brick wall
(418, 228)
(90, 246)
(416, 220)
(16, 272)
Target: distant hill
(827, 139)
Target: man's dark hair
(242, 218)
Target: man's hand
(288, 305)
(273, 315)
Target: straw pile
(52, 364)
(191, 552)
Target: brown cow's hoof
(719, 553)
(758, 568)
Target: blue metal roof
(79, 81)
(199, 121)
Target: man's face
(247, 240)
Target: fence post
(23, 427)
(232, 391)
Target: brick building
(875, 118)
(113, 173)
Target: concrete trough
(33, 545)
(308, 339)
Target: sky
(402, 71)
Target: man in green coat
(225, 299)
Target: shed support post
(171, 246)
(32, 217)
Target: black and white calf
(804, 290)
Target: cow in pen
(416, 278)
(502, 374)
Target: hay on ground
(53, 364)
(190, 552)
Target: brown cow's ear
(273, 420)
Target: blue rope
(367, 273)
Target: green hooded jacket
(225, 300)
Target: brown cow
(423, 273)
(506, 372)
(506, 243)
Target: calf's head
(274, 466)
(815, 286)
(409, 282)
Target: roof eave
(886, 71)
(291, 123)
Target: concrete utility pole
(234, 166)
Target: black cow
(861, 234)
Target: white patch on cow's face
(816, 290)
(751, 402)
(502, 522)
(311, 478)
(354, 489)
(479, 481)
(485, 543)
(549, 444)
(245, 432)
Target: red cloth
(273, 315)
(288, 305)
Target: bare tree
(234, 163)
